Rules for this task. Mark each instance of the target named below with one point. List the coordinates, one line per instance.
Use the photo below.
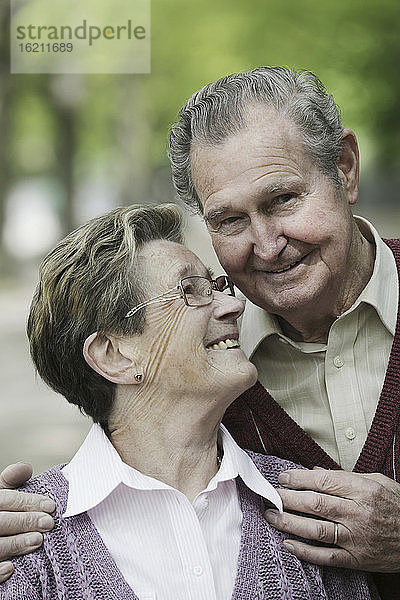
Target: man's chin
(283, 304)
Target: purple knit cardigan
(256, 421)
(74, 563)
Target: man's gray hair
(218, 110)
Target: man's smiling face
(282, 230)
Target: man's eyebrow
(281, 186)
(284, 186)
(273, 189)
(217, 212)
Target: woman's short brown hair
(87, 283)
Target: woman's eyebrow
(189, 270)
(211, 272)
(186, 271)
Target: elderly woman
(159, 501)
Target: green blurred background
(73, 146)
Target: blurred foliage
(353, 46)
(69, 127)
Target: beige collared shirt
(331, 390)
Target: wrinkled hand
(22, 517)
(366, 508)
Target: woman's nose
(227, 306)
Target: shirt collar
(257, 324)
(383, 297)
(236, 462)
(97, 470)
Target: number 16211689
(54, 47)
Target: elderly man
(264, 157)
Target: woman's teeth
(228, 343)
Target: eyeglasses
(194, 291)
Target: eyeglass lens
(223, 284)
(198, 290)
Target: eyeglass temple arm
(160, 298)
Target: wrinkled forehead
(164, 263)
(268, 150)
(263, 130)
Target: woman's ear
(348, 165)
(105, 354)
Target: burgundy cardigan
(255, 414)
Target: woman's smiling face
(178, 346)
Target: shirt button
(350, 433)
(338, 361)
(198, 570)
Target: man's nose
(227, 307)
(268, 238)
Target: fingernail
(271, 516)
(289, 546)
(48, 506)
(284, 478)
(46, 522)
(33, 539)
(6, 568)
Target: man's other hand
(358, 518)
(22, 517)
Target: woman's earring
(138, 377)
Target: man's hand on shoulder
(22, 517)
(358, 517)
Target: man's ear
(107, 356)
(348, 165)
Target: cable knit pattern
(257, 421)
(74, 563)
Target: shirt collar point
(243, 466)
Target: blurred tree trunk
(66, 148)
(66, 91)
